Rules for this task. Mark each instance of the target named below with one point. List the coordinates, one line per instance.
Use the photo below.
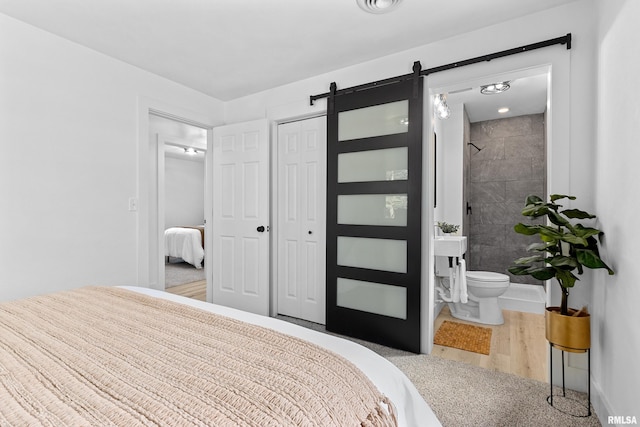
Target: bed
(186, 243)
(135, 356)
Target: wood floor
(518, 346)
(196, 290)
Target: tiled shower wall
(509, 166)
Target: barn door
(374, 175)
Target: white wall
(69, 161)
(450, 169)
(184, 192)
(615, 313)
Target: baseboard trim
(601, 406)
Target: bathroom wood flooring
(518, 346)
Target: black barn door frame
(386, 330)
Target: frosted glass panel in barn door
(374, 176)
(240, 238)
(301, 277)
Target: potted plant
(447, 228)
(565, 249)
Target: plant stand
(550, 397)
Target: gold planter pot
(568, 332)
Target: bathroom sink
(453, 246)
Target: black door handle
(260, 229)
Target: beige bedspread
(108, 356)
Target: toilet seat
(486, 276)
(486, 280)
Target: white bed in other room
(412, 410)
(186, 243)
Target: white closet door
(241, 216)
(301, 219)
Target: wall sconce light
(441, 108)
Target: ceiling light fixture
(440, 107)
(378, 6)
(503, 110)
(494, 88)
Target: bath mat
(465, 337)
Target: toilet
(483, 290)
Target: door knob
(260, 229)
(310, 232)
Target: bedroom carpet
(178, 273)
(486, 397)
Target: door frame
(147, 189)
(162, 141)
(558, 66)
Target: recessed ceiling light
(503, 110)
(378, 6)
(494, 88)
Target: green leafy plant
(448, 228)
(565, 247)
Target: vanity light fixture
(440, 106)
(494, 88)
(191, 151)
(378, 6)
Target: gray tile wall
(509, 166)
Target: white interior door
(241, 216)
(301, 222)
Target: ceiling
(239, 47)
(527, 95)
